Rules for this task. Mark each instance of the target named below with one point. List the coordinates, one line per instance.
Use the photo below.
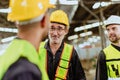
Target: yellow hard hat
(59, 16)
(27, 9)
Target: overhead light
(88, 26)
(7, 10)
(93, 39)
(100, 4)
(53, 1)
(72, 37)
(90, 41)
(81, 45)
(96, 5)
(98, 37)
(84, 44)
(70, 2)
(8, 39)
(86, 34)
(103, 4)
(8, 30)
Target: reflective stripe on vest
(112, 62)
(20, 48)
(62, 69)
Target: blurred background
(87, 32)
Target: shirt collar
(47, 46)
(117, 47)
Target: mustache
(112, 35)
(54, 36)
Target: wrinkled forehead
(57, 25)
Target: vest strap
(62, 69)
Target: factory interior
(87, 30)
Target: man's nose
(55, 32)
(111, 31)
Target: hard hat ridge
(59, 16)
(22, 10)
(113, 19)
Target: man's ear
(43, 22)
(16, 24)
(66, 31)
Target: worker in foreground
(21, 61)
(108, 63)
(61, 59)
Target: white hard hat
(113, 19)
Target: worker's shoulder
(107, 49)
(22, 66)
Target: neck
(117, 44)
(33, 36)
(54, 47)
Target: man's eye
(52, 28)
(59, 28)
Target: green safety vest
(112, 62)
(62, 68)
(20, 48)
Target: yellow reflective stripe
(62, 69)
(64, 64)
(43, 54)
(67, 51)
(57, 79)
(61, 73)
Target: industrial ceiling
(80, 14)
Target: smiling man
(62, 61)
(109, 58)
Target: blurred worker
(108, 64)
(21, 60)
(62, 61)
